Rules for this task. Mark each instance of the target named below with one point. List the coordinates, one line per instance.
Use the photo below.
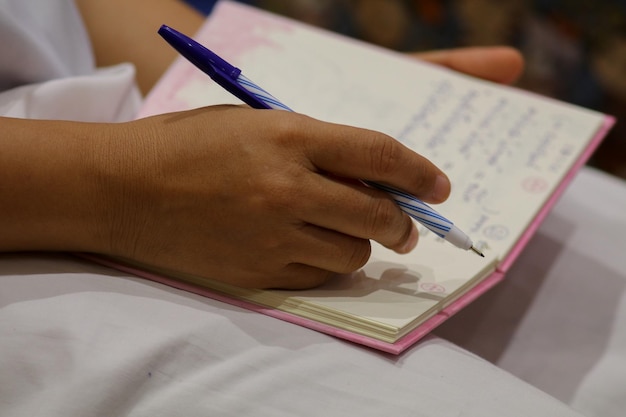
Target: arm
(162, 191)
(134, 40)
(125, 31)
(47, 195)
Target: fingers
(314, 256)
(499, 64)
(364, 154)
(299, 277)
(294, 276)
(356, 210)
(330, 250)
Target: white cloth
(41, 41)
(558, 320)
(80, 339)
(47, 69)
(77, 339)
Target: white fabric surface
(41, 40)
(80, 339)
(558, 320)
(77, 339)
(47, 69)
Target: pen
(231, 79)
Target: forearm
(48, 186)
(126, 31)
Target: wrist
(50, 196)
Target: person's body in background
(176, 191)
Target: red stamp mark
(496, 232)
(432, 287)
(535, 185)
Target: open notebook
(508, 153)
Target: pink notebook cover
(159, 103)
(420, 331)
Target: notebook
(509, 155)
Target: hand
(290, 214)
(257, 198)
(272, 202)
(500, 64)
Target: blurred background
(575, 50)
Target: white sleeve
(41, 40)
(47, 67)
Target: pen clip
(220, 71)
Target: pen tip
(476, 251)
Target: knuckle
(384, 156)
(288, 127)
(404, 235)
(355, 256)
(380, 218)
(279, 192)
(423, 178)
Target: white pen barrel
(271, 101)
(428, 217)
(458, 238)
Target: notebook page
(504, 150)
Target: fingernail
(411, 242)
(441, 190)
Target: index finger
(368, 155)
